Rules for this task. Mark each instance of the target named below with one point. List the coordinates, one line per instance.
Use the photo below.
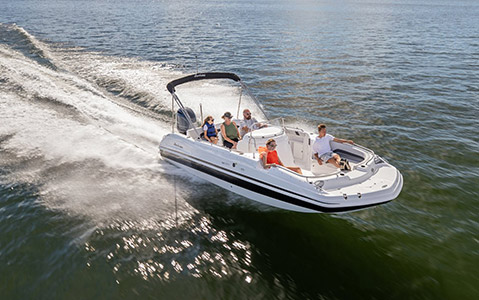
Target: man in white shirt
(322, 149)
(248, 123)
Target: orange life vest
(272, 156)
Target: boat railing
(275, 122)
(251, 138)
(307, 177)
(280, 123)
(272, 122)
(371, 152)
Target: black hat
(227, 115)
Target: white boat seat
(349, 156)
(325, 168)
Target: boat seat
(192, 132)
(349, 156)
(237, 122)
(325, 168)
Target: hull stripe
(228, 171)
(259, 189)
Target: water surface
(87, 210)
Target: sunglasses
(272, 145)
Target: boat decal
(259, 189)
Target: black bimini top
(200, 76)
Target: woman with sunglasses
(209, 130)
(270, 158)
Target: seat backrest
(194, 133)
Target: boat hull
(262, 185)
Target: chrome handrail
(367, 150)
(249, 143)
(306, 176)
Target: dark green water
(87, 211)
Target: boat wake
(81, 131)
(84, 128)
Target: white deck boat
(321, 188)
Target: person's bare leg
(334, 162)
(337, 158)
(295, 169)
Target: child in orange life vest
(269, 157)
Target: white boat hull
(242, 174)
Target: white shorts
(326, 156)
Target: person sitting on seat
(229, 131)
(322, 149)
(249, 123)
(209, 130)
(269, 157)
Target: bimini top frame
(200, 76)
(203, 76)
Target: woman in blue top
(209, 130)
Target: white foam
(96, 153)
(149, 79)
(97, 158)
(100, 116)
